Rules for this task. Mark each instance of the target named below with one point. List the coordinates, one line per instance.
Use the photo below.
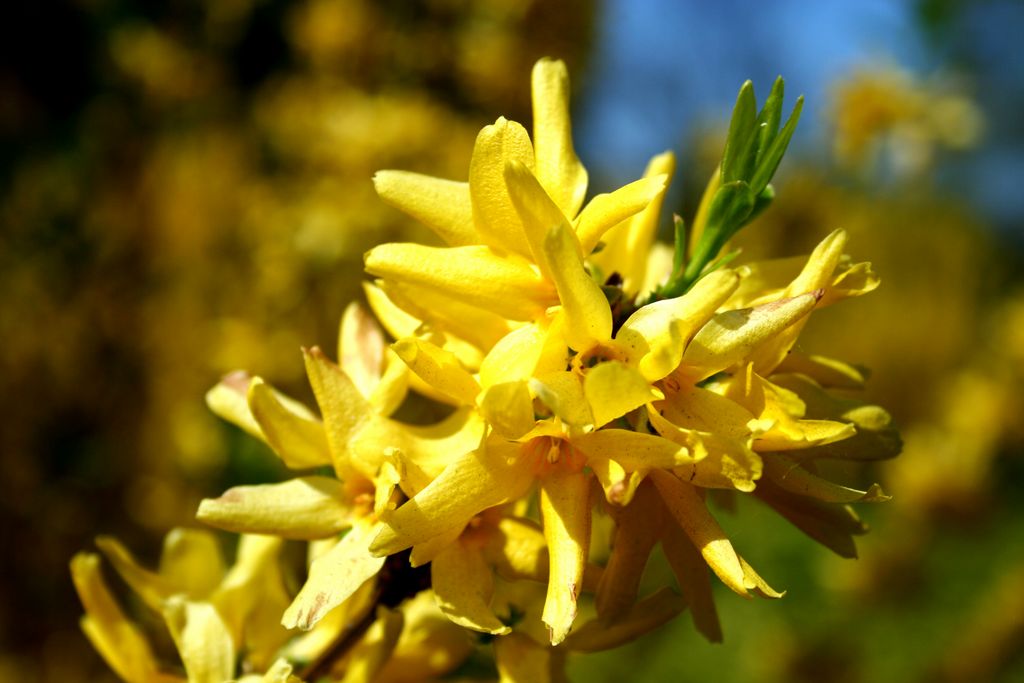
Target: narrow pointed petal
(562, 393)
(633, 450)
(227, 400)
(427, 450)
(191, 560)
(613, 389)
(753, 581)
(619, 484)
(334, 577)
(463, 586)
(638, 527)
(202, 639)
(508, 408)
(150, 586)
(520, 660)
(344, 409)
(537, 212)
(303, 508)
(827, 372)
(361, 348)
(558, 168)
(442, 205)
(792, 477)
(514, 357)
(692, 514)
(121, 644)
(438, 368)
(517, 550)
(494, 216)
(393, 387)
(605, 211)
(374, 649)
(831, 525)
(694, 580)
(629, 244)
(588, 316)
(294, 433)
(647, 615)
(471, 483)
(424, 553)
(656, 334)
(476, 275)
(731, 336)
(565, 508)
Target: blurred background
(186, 191)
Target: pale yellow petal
(565, 509)
(227, 400)
(508, 408)
(754, 583)
(153, 588)
(442, 205)
(475, 275)
(793, 477)
(427, 450)
(334, 577)
(463, 585)
(827, 372)
(361, 348)
(121, 644)
(517, 550)
(694, 580)
(537, 212)
(588, 315)
(613, 389)
(430, 645)
(202, 639)
(304, 508)
(619, 484)
(646, 616)
(398, 322)
(494, 216)
(471, 483)
(344, 409)
(638, 528)
(633, 450)
(629, 244)
(191, 560)
(656, 334)
(514, 357)
(731, 336)
(605, 211)
(689, 510)
(371, 653)
(438, 368)
(558, 168)
(521, 660)
(423, 553)
(393, 387)
(562, 393)
(294, 433)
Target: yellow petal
(613, 389)
(495, 218)
(307, 646)
(619, 484)
(463, 586)
(517, 550)
(588, 316)
(731, 336)
(693, 407)
(558, 168)
(427, 450)
(371, 653)
(303, 508)
(423, 553)
(191, 560)
(694, 581)
(644, 617)
(565, 508)
(293, 432)
(476, 275)
(398, 322)
(638, 528)
(692, 514)
(344, 409)
(827, 372)
(202, 639)
(227, 400)
(438, 368)
(753, 581)
(334, 577)
(605, 211)
(442, 205)
(508, 408)
(150, 586)
(792, 477)
(393, 387)
(280, 672)
(520, 660)
(562, 393)
(633, 450)
(430, 645)
(656, 334)
(120, 643)
(629, 244)
(831, 525)
(537, 212)
(471, 483)
(514, 357)
(361, 348)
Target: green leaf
(770, 117)
(679, 257)
(742, 131)
(767, 166)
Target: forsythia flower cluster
(596, 392)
